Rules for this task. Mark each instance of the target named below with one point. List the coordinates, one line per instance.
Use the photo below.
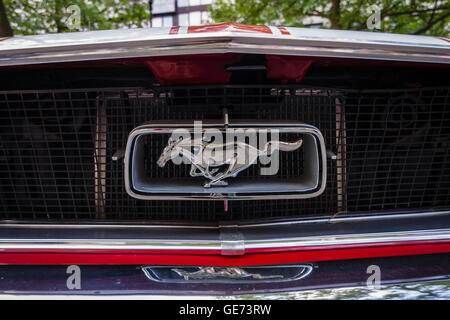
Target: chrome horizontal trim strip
(123, 36)
(133, 43)
(99, 296)
(95, 244)
(216, 244)
(336, 218)
(352, 239)
(226, 238)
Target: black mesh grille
(391, 146)
(398, 149)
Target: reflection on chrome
(212, 272)
(227, 274)
(209, 157)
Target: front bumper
(130, 280)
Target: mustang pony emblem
(212, 272)
(234, 157)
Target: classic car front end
(222, 159)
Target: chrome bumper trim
(227, 239)
(219, 43)
(225, 247)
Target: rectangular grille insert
(391, 149)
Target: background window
(195, 18)
(206, 17)
(167, 21)
(183, 19)
(163, 6)
(157, 22)
(183, 3)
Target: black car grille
(391, 149)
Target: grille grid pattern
(246, 103)
(57, 147)
(46, 155)
(403, 161)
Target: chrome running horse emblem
(214, 272)
(234, 157)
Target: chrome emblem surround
(213, 274)
(226, 184)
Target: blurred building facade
(168, 13)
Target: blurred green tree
(5, 27)
(46, 16)
(428, 17)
